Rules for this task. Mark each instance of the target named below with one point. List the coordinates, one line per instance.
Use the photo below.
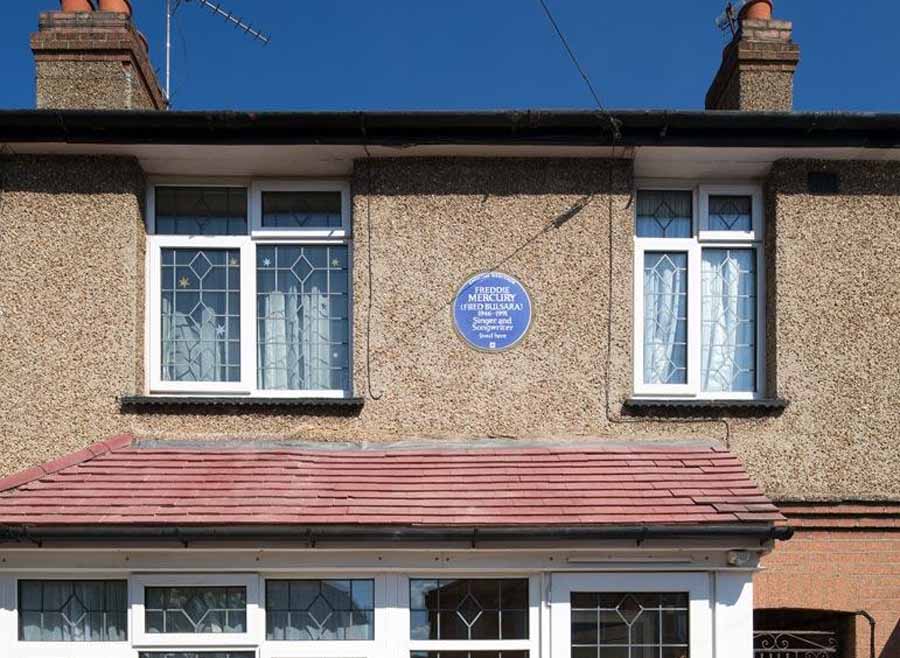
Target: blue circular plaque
(492, 311)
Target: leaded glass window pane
(664, 213)
(730, 213)
(468, 609)
(195, 609)
(728, 311)
(201, 211)
(303, 610)
(304, 210)
(303, 317)
(201, 315)
(469, 654)
(197, 654)
(73, 611)
(638, 624)
(665, 317)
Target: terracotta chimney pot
(118, 6)
(75, 6)
(757, 10)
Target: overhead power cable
(614, 123)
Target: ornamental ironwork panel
(795, 644)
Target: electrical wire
(556, 222)
(614, 123)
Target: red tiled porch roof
(118, 483)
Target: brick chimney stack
(93, 60)
(757, 70)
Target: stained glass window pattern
(197, 654)
(664, 213)
(303, 317)
(73, 611)
(201, 315)
(301, 210)
(665, 317)
(201, 210)
(730, 213)
(468, 609)
(304, 610)
(468, 654)
(195, 609)
(635, 625)
(728, 315)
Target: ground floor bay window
(395, 557)
(442, 614)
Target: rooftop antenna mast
(728, 20)
(216, 8)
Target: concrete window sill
(149, 404)
(704, 408)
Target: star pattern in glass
(200, 315)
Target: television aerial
(728, 20)
(216, 8)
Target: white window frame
(755, 234)
(379, 647)
(693, 247)
(255, 209)
(720, 608)
(256, 236)
(38, 649)
(247, 641)
(697, 586)
(531, 644)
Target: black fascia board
(509, 127)
(425, 534)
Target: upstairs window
(250, 289)
(699, 299)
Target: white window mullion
(695, 316)
(248, 316)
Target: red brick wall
(842, 558)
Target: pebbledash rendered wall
(72, 316)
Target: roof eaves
(37, 472)
(509, 127)
(314, 534)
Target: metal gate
(796, 644)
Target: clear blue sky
(483, 54)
